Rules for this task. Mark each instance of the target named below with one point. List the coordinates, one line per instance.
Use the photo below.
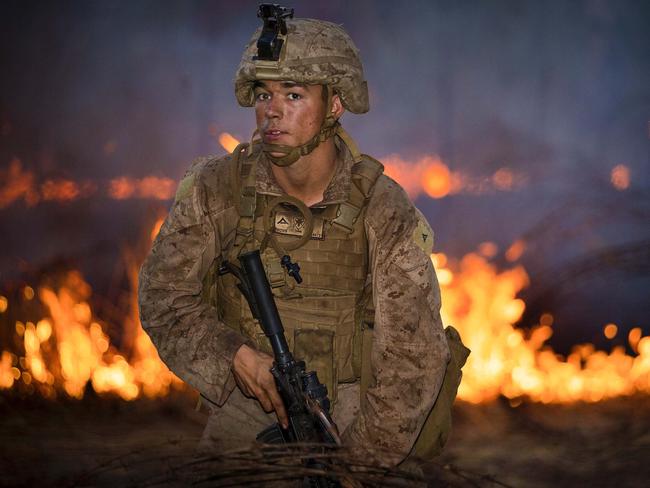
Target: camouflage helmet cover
(314, 52)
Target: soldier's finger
(264, 400)
(278, 406)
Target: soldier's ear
(337, 106)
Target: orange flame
(156, 228)
(121, 188)
(18, 184)
(429, 174)
(69, 348)
(62, 190)
(228, 142)
(432, 176)
(481, 302)
(504, 179)
(620, 177)
(516, 250)
(437, 180)
(488, 249)
(7, 377)
(149, 187)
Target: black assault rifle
(304, 397)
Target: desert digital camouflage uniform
(369, 287)
(409, 350)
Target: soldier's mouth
(273, 134)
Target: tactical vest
(328, 318)
(324, 317)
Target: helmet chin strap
(291, 154)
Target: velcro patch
(423, 237)
(293, 223)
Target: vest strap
(364, 176)
(349, 142)
(243, 179)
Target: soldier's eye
(294, 96)
(262, 96)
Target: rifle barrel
(253, 270)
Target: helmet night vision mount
(269, 44)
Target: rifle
(304, 396)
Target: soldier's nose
(273, 109)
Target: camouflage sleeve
(189, 337)
(409, 349)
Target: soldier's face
(288, 113)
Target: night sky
(556, 91)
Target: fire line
(69, 348)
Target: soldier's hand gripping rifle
(304, 397)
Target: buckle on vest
(275, 273)
(346, 216)
(276, 280)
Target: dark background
(558, 91)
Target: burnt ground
(107, 442)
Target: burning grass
(56, 346)
(67, 348)
(18, 184)
(60, 346)
(483, 304)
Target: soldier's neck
(308, 178)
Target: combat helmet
(305, 51)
